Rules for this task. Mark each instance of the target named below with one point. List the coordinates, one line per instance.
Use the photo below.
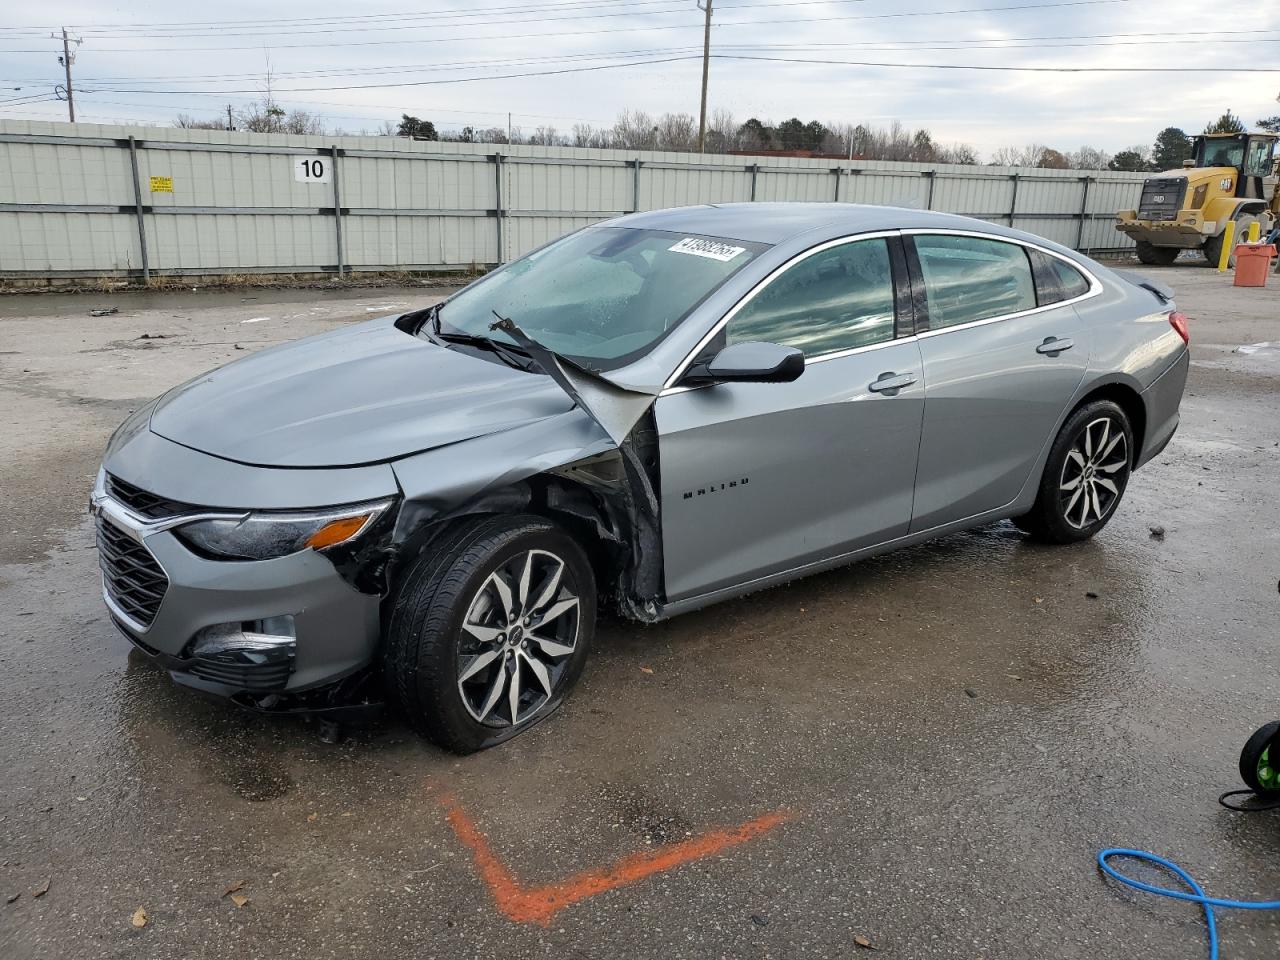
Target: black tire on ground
(1251, 755)
(426, 650)
(1212, 246)
(1157, 256)
(1082, 466)
(1212, 249)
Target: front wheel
(489, 630)
(1084, 477)
(1157, 256)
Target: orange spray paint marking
(539, 904)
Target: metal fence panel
(71, 204)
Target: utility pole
(508, 128)
(706, 62)
(67, 59)
(230, 125)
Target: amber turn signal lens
(337, 531)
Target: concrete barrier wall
(83, 200)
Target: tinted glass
(1221, 153)
(970, 278)
(1071, 280)
(1258, 163)
(604, 295)
(837, 299)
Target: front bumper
(1188, 232)
(335, 627)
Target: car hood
(368, 393)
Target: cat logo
(1158, 198)
(1225, 183)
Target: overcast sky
(199, 56)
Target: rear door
(758, 478)
(1001, 362)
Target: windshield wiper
(511, 356)
(526, 344)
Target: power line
(397, 68)
(221, 26)
(429, 83)
(972, 66)
(403, 15)
(1198, 37)
(633, 29)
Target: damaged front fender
(509, 471)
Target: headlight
(264, 536)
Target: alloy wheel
(518, 637)
(1094, 473)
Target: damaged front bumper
(249, 630)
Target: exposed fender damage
(596, 462)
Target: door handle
(1055, 345)
(890, 383)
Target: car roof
(775, 223)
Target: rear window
(972, 278)
(1072, 281)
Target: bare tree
(185, 122)
(1088, 158)
(677, 131)
(722, 131)
(634, 130)
(546, 136)
(958, 153)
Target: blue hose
(1196, 896)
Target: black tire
(1251, 759)
(425, 649)
(1212, 249)
(1058, 515)
(1212, 246)
(1157, 256)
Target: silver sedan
(657, 412)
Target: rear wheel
(1084, 477)
(1259, 766)
(489, 630)
(1158, 256)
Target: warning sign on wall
(162, 184)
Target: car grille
(256, 677)
(133, 579)
(1162, 198)
(143, 503)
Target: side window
(1071, 280)
(837, 299)
(972, 278)
(1256, 164)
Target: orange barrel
(1252, 262)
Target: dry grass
(287, 281)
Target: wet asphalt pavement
(946, 735)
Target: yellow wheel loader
(1230, 178)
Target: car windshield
(602, 296)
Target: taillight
(1179, 323)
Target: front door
(759, 478)
(1000, 371)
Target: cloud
(169, 47)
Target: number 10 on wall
(311, 170)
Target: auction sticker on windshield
(707, 248)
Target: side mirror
(750, 362)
